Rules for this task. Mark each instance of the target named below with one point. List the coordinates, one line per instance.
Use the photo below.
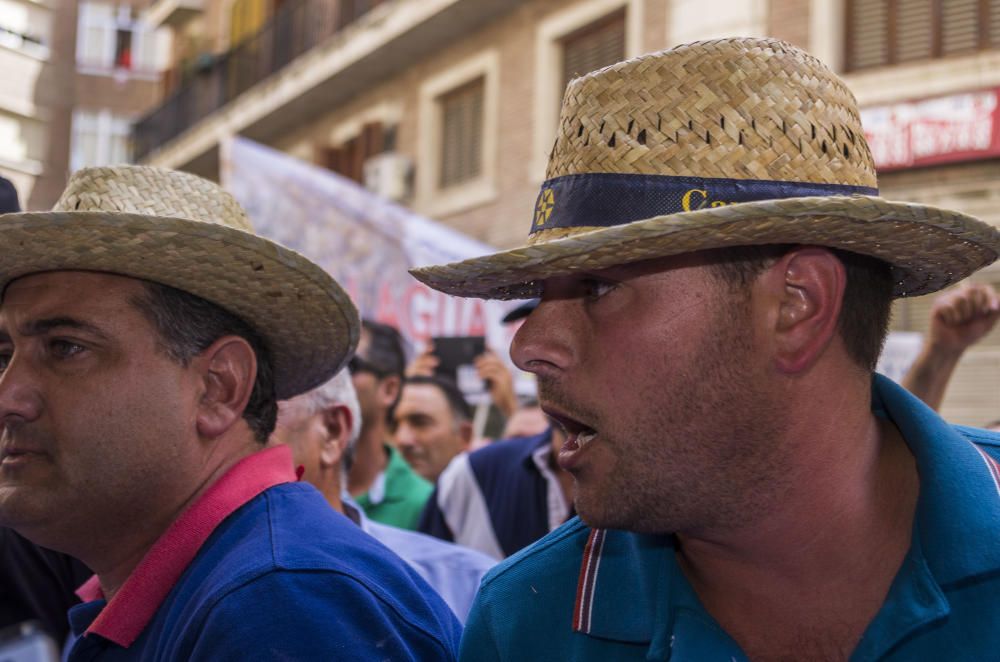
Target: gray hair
(337, 391)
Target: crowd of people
(207, 454)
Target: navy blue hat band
(607, 199)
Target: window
(582, 36)
(461, 156)
(882, 32)
(348, 158)
(592, 47)
(458, 135)
(99, 138)
(26, 27)
(111, 37)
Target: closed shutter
(867, 33)
(882, 32)
(462, 133)
(348, 159)
(597, 45)
(992, 23)
(914, 30)
(959, 26)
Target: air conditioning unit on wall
(389, 175)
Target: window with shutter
(883, 32)
(960, 27)
(348, 158)
(462, 133)
(594, 46)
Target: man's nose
(542, 344)
(20, 396)
(404, 436)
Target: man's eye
(594, 289)
(64, 349)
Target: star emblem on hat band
(543, 209)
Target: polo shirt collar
(390, 485)
(958, 510)
(126, 615)
(620, 569)
(631, 589)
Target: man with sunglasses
(380, 480)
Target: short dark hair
(385, 354)
(867, 305)
(187, 325)
(460, 408)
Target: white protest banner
(366, 242)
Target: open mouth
(578, 434)
(12, 455)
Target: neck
(854, 487)
(370, 458)
(114, 555)
(330, 485)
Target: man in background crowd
(381, 481)
(431, 424)
(321, 428)
(502, 497)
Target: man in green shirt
(380, 480)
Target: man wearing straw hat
(716, 271)
(145, 335)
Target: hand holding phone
(456, 360)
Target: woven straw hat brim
(928, 248)
(306, 319)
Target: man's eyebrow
(45, 325)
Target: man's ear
(388, 389)
(338, 423)
(465, 432)
(806, 289)
(227, 369)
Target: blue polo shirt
(260, 567)
(599, 594)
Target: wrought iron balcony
(214, 81)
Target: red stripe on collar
(134, 605)
(587, 583)
(993, 466)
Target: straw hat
(711, 144)
(186, 232)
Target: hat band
(607, 199)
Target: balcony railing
(297, 27)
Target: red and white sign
(958, 127)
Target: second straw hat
(711, 144)
(175, 228)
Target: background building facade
(74, 76)
(450, 106)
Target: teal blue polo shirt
(599, 594)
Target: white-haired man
(322, 428)
(716, 271)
